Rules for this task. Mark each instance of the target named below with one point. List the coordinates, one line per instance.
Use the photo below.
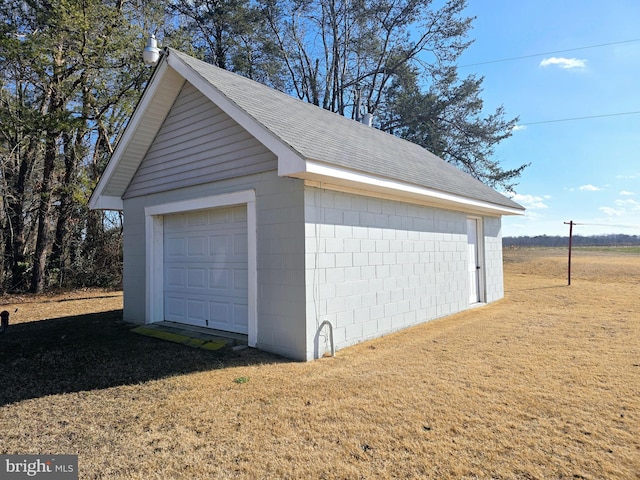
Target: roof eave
(106, 202)
(334, 178)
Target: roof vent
(367, 119)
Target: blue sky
(585, 170)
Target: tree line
(71, 75)
(620, 240)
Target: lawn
(543, 384)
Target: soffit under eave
(400, 192)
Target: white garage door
(205, 268)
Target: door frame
(154, 240)
(480, 257)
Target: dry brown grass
(544, 384)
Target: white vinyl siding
(198, 143)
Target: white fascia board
(334, 178)
(289, 164)
(287, 156)
(292, 166)
(203, 203)
(105, 202)
(127, 136)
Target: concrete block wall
(374, 266)
(280, 245)
(494, 278)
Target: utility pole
(571, 224)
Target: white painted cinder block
(392, 265)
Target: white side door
(474, 261)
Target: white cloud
(624, 192)
(531, 202)
(589, 188)
(628, 177)
(611, 212)
(533, 216)
(565, 63)
(626, 207)
(518, 128)
(629, 204)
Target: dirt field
(544, 384)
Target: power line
(579, 118)
(549, 53)
(607, 225)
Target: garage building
(249, 211)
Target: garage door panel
(219, 278)
(239, 215)
(219, 247)
(241, 311)
(197, 247)
(219, 312)
(174, 247)
(240, 245)
(228, 249)
(175, 277)
(175, 308)
(197, 278)
(197, 311)
(241, 279)
(221, 218)
(206, 268)
(174, 222)
(197, 219)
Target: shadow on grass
(96, 351)
(531, 289)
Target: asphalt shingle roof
(322, 136)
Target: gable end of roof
(311, 143)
